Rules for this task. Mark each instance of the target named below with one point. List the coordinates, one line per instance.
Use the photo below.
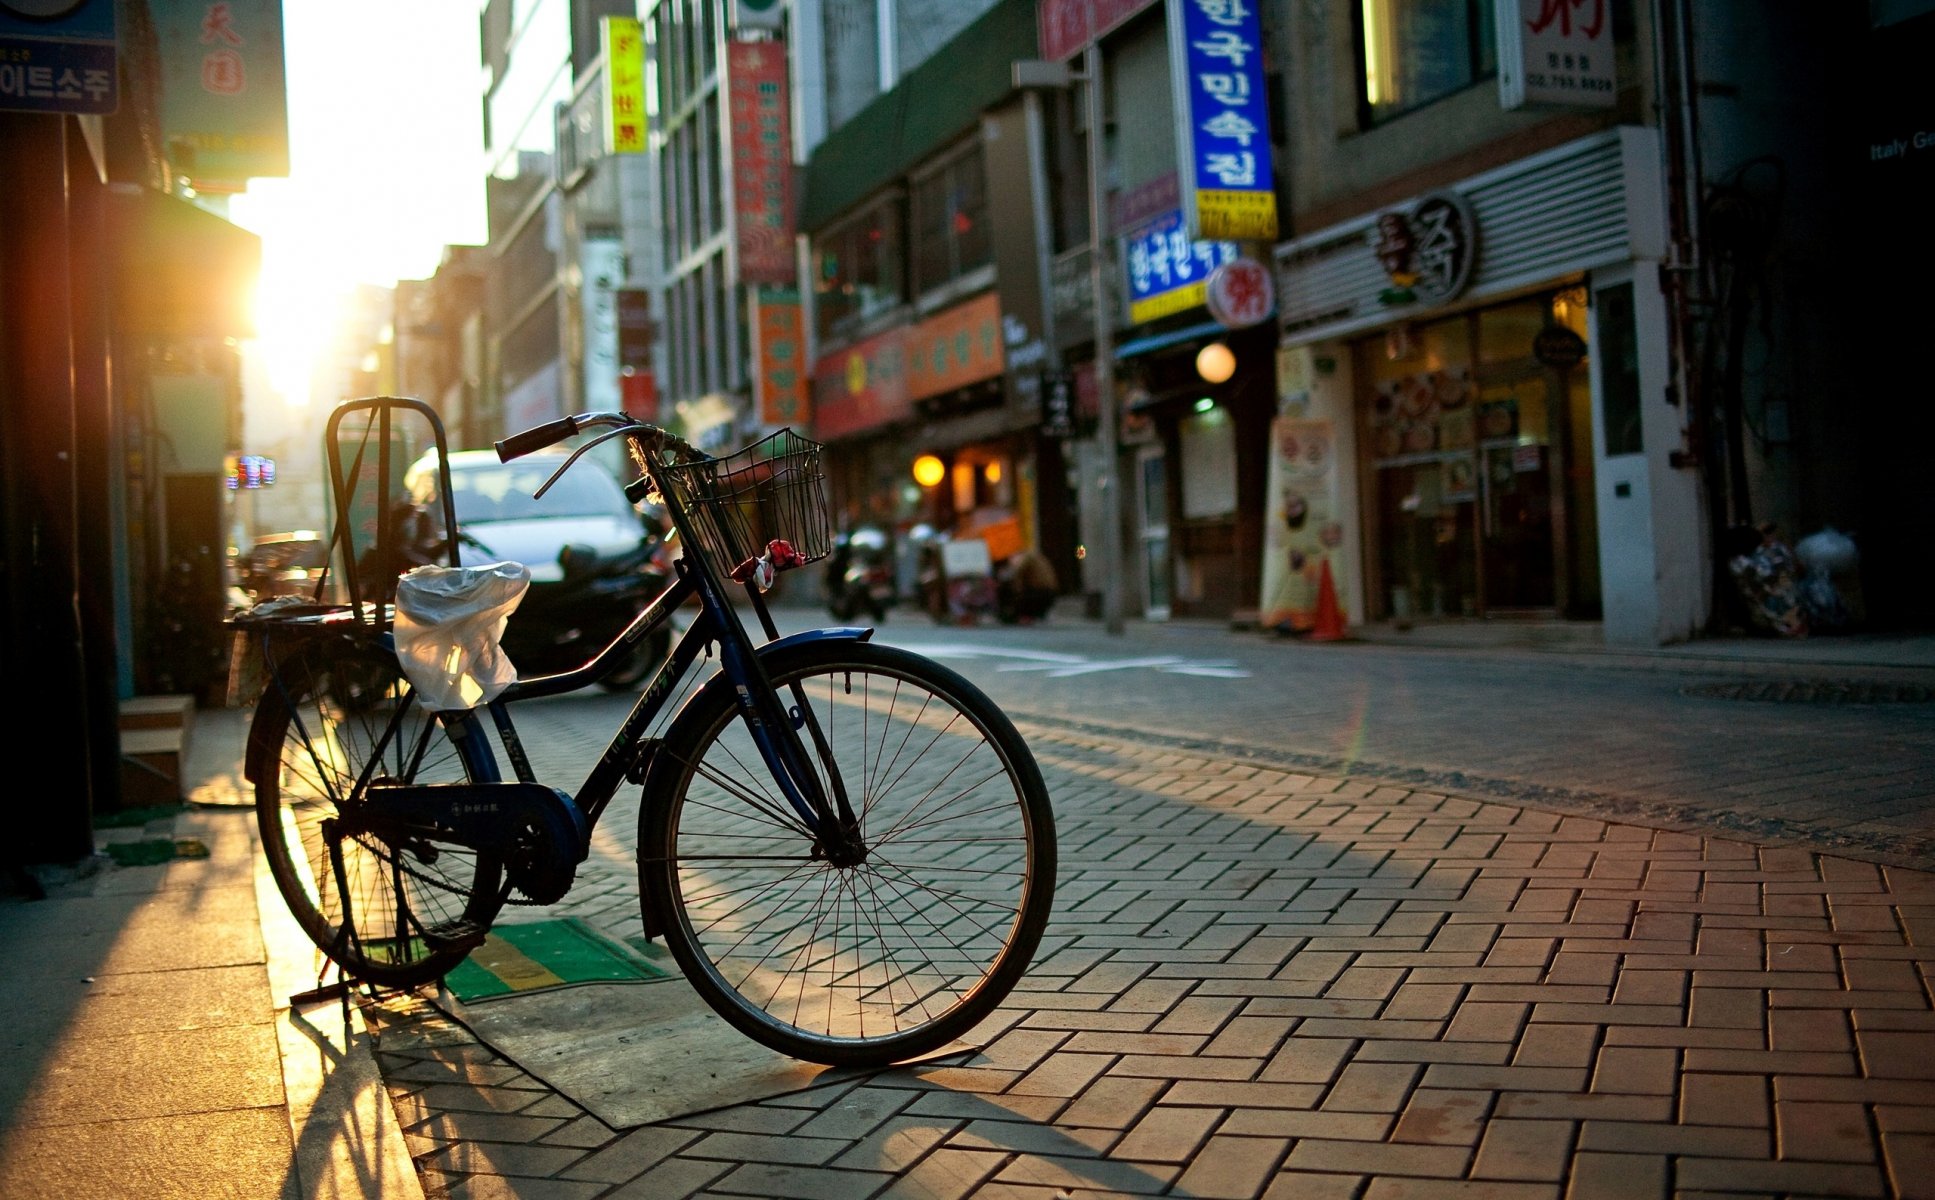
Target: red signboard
(862, 386)
(1066, 26)
(638, 393)
(762, 160)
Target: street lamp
(1039, 73)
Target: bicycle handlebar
(537, 438)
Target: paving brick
(1168, 1134)
(1530, 1150)
(1025, 1137)
(1232, 1168)
(1910, 1160)
(1628, 1070)
(1062, 1075)
(1713, 1141)
(1739, 1100)
(1457, 1189)
(1898, 1055)
(1824, 1132)
(1310, 1185)
(945, 1174)
(1372, 1087)
(1370, 1158)
(1305, 1060)
(502, 1158)
(1820, 1179)
(1136, 1179)
(798, 1182)
(1598, 1176)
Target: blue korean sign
(1223, 119)
(57, 56)
(1167, 272)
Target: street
(1424, 969)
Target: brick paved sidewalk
(1260, 983)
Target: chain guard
(537, 832)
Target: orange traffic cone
(1330, 621)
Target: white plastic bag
(448, 623)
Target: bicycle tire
(920, 942)
(413, 913)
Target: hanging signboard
(1555, 52)
(1222, 120)
(762, 161)
(58, 58)
(623, 40)
(1240, 294)
(224, 95)
(1168, 273)
(779, 347)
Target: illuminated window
(1416, 51)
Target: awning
(180, 270)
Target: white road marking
(1063, 666)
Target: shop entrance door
(1152, 529)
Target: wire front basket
(774, 489)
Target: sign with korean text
(1066, 26)
(224, 94)
(1555, 52)
(623, 41)
(862, 386)
(1222, 120)
(762, 161)
(58, 57)
(779, 347)
(954, 348)
(1241, 293)
(1168, 273)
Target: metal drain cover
(1815, 691)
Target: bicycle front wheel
(390, 909)
(892, 956)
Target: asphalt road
(1608, 735)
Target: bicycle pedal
(456, 935)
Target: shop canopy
(179, 270)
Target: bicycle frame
(628, 755)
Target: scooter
(860, 575)
(560, 625)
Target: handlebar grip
(536, 438)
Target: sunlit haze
(386, 164)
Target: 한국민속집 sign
(1555, 52)
(58, 56)
(1168, 273)
(1222, 120)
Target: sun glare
(297, 305)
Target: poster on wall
(1303, 530)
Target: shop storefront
(1490, 383)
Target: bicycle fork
(776, 731)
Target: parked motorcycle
(560, 625)
(860, 575)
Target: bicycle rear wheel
(394, 911)
(900, 953)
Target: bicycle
(847, 848)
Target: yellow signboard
(623, 40)
(1238, 216)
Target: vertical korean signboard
(57, 57)
(762, 161)
(1555, 52)
(224, 96)
(1222, 120)
(779, 346)
(623, 40)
